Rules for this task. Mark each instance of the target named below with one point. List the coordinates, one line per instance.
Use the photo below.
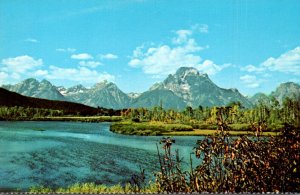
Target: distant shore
(93, 119)
(161, 129)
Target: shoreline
(92, 119)
(120, 126)
(173, 129)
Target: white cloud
(15, 76)
(108, 56)
(288, 62)
(210, 68)
(80, 74)
(31, 40)
(250, 81)
(40, 73)
(251, 68)
(20, 64)
(91, 64)
(71, 50)
(3, 77)
(82, 56)
(164, 59)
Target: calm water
(70, 152)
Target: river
(59, 154)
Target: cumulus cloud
(165, 59)
(91, 64)
(80, 74)
(82, 56)
(288, 62)
(250, 81)
(70, 50)
(15, 69)
(210, 68)
(3, 77)
(39, 73)
(251, 68)
(20, 64)
(108, 56)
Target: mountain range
(187, 87)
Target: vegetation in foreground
(234, 165)
(91, 188)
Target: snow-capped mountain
(103, 94)
(197, 89)
(133, 95)
(33, 88)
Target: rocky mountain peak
(46, 83)
(76, 89)
(183, 72)
(104, 84)
(288, 89)
(30, 81)
(186, 70)
(33, 88)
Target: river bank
(92, 119)
(159, 128)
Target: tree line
(234, 113)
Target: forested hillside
(12, 99)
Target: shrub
(235, 165)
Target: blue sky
(251, 45)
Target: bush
(235, 165)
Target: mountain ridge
(287, 89)
(186, 87)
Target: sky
(251, 45)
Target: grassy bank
(160, 128)
(91, 188)
(148, 128)
(205, 132)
